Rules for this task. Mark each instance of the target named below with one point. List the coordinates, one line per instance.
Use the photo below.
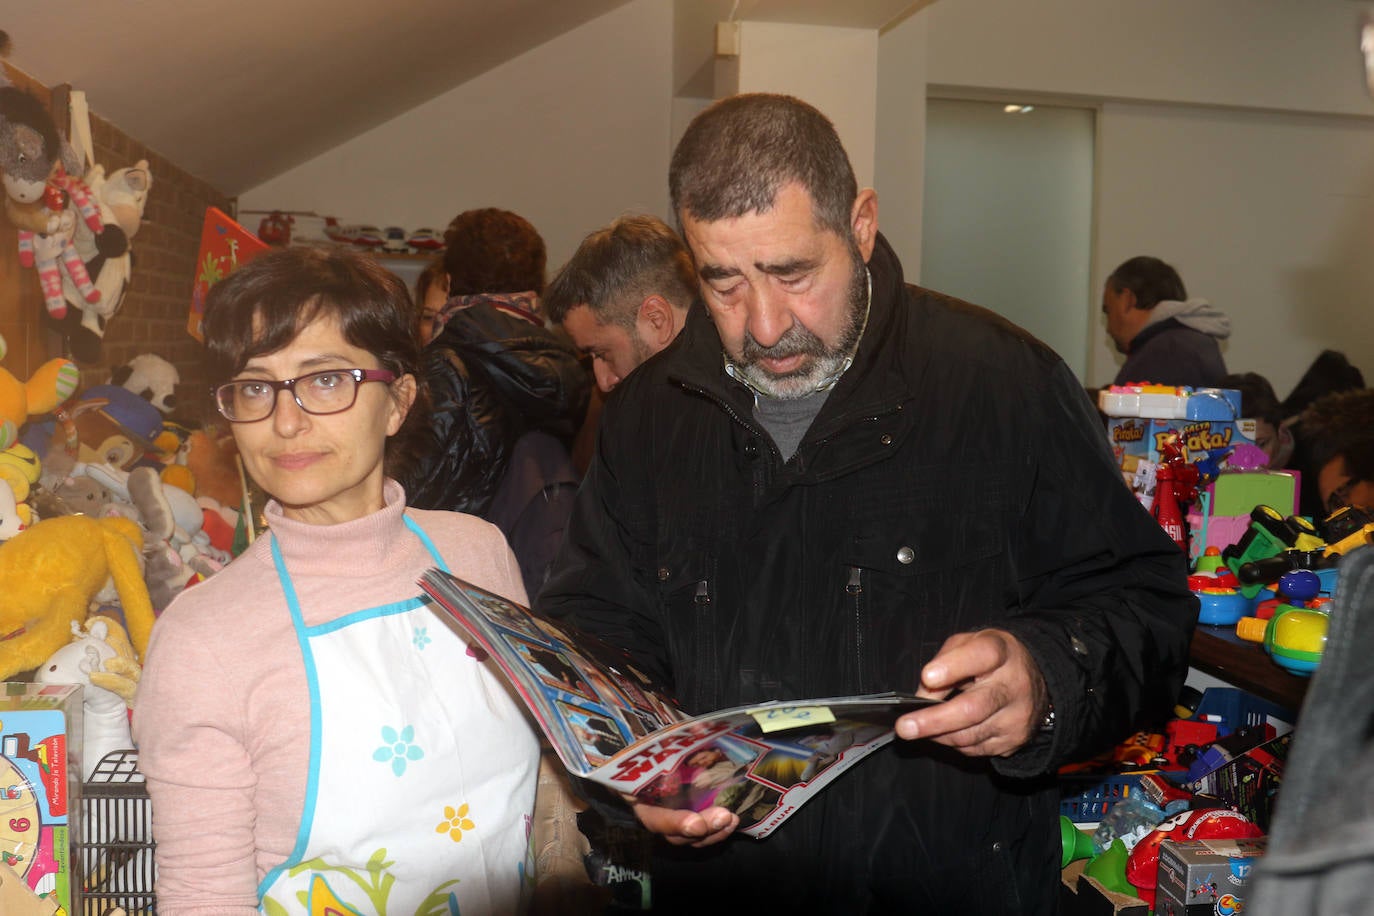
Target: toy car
(425, 240)
(356, 234)
(394, 240)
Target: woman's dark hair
(1330, 372)
(493, 251)
(262, 306)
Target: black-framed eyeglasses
(331, 391)
(1340, 497)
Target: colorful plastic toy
(1294, 637)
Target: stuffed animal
(212, 456)
(114, 426)
(150, 377)
(52, 253)
(101, 660)
(121, 199)
(19, 471)
(54, 382)
(30, 151)
(175, 548)
(50, 573)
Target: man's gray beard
(825, 362)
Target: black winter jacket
(491, 378)
(956, 478)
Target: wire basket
(114, 850)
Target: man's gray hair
(737, 154)
(618, 267)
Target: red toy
(1175, 487)
(1204, 824)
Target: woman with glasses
(314, 738)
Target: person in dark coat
(506, 393)
(834, 483)
(1168, 338)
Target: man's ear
(658, 321)
(863, 220)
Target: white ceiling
(237, 92)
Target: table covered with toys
(1173, 819)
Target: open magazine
(610, 723)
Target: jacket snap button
(664, 574)
(885, 439)
(905, 555)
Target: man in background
(1168, 338)
(624, 295)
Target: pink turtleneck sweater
(222, 716)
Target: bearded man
(836, 483)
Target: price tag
(778, 718)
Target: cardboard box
(1080, 895)
(40, 785)
(1205, 876)
(1250, 782)
(1136, 439)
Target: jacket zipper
(758, 471)
(855, 589)
(702, 599)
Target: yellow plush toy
(50, 573)
(53, 383)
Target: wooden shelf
(1218, 651)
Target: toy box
(1249, 783)
(1136, 439)
(1205, 876)
(1167, 402)
(40, 785)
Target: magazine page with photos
(611, 724)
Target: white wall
(569, 135)
(1271, 217)
(1300, 55)
(1236, 141)
(834, 69)
(899, 155)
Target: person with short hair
(310, 666)
(507, 393)
(1259, 403)
(624, 294)
(431, 294)
(835, 483)
(1168, 338)
(1337, 434)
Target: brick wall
(152, 318)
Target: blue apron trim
(303, 635)
(381, 610)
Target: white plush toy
(121, 198)
(150, 377)
(102, 661)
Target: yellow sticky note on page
(777, 718)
